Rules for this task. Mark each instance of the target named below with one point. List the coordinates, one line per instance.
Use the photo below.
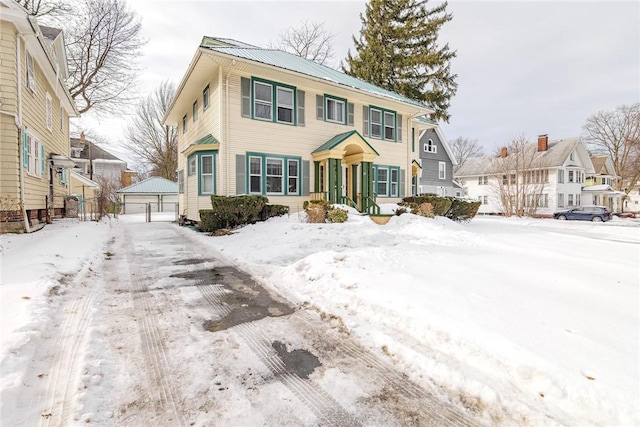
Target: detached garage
(160, 192)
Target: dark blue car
(585, 213)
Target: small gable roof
(599, 162)
(336, 140)
(153, 185)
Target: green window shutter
(241, 182)
(245, 91)
(365, 120)
(399, 127)
(300, 108)
(401, 192)
(25, 150)
(305, 177)
(319, 107)
(42, 159)
(350, 113)
(413, 140)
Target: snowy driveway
(158, 332)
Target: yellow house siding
(9, 158)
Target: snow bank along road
(158, 332)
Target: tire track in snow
(153, 347)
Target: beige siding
(9, 133)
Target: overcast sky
(531, 68)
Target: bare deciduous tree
(103, 46)
(152, 142)
(521, 175)
(617, 133)
(46, 8)
(464, 149)
(310, 40)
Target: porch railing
(346, 200)
(318, 195)
(370, 206)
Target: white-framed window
(394, 182)
(571, 176)
(442, 170)
(293, 176)
(382, 179)
(485, 200)
(49, 111)
(255, 175)
(577, 200)
(262, 101)
(191, 165)
(569, 199)
(543, 201)
(572, 156)
(560, 200)
(376, 123)
(483, 180)
(31, 74)
(206, 174)
(274, 175)
(430, 147)
(34, 156)
(560, 176)
(181, 181)
(194, 111)
(205, 98)
(335, 110)
(184, 124)
(389, 126)
(285, 105)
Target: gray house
(436, 162)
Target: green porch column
(316, 177)
(354, 183)
(366, 181)
(335, 180)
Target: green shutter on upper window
(399, 127)
(245, 91)
(300, 108)
(319, 107)
(25, 150)
(305, 178)
(42, 159)
(241, 183)
(365, 120)
(350, 113)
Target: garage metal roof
(153, 185)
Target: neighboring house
(436, 163)
(632, 202)
(86, 191)
(560, 176)
(96, 163)
(261, 121)
(161, 193)
(598, 186)
(35, 107)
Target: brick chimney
(543, 142)
(503, 152)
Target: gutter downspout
(409, 178)
(226, 127)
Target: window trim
(274, 101)
(289, 177)
(430, 147)
(279, 105)
(48, 102)
(267, 176)
(335, 99)
(184, 124)
(383, 123)
(442, 170)
(192, 165)
(390, 182)
(205, 98)
(194, 111)
(30, 70)
(200, 155)
(263, 173)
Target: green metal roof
(291, 62)
(336, 140)
(207, 139)
(153, 185)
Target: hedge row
(454, 209)
(230, 212)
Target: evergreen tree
(398, 50)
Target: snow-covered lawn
(531, 316)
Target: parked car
(585, 213)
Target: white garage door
(137, 204)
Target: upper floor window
(442, 170)
(194, 111)
(381, 124)
(572, 156)
(205, 98)
(483, 180)
(184, 124)
(31, 75)
(49, 110)
(571, 176)
(430, 147)
(335, 109)
(560, 176)
(61, 118)
(269, 101)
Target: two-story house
(435, 160)
(96, 163)
(555, 183)
(599, 186)
(263, 121)
(35, 107)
